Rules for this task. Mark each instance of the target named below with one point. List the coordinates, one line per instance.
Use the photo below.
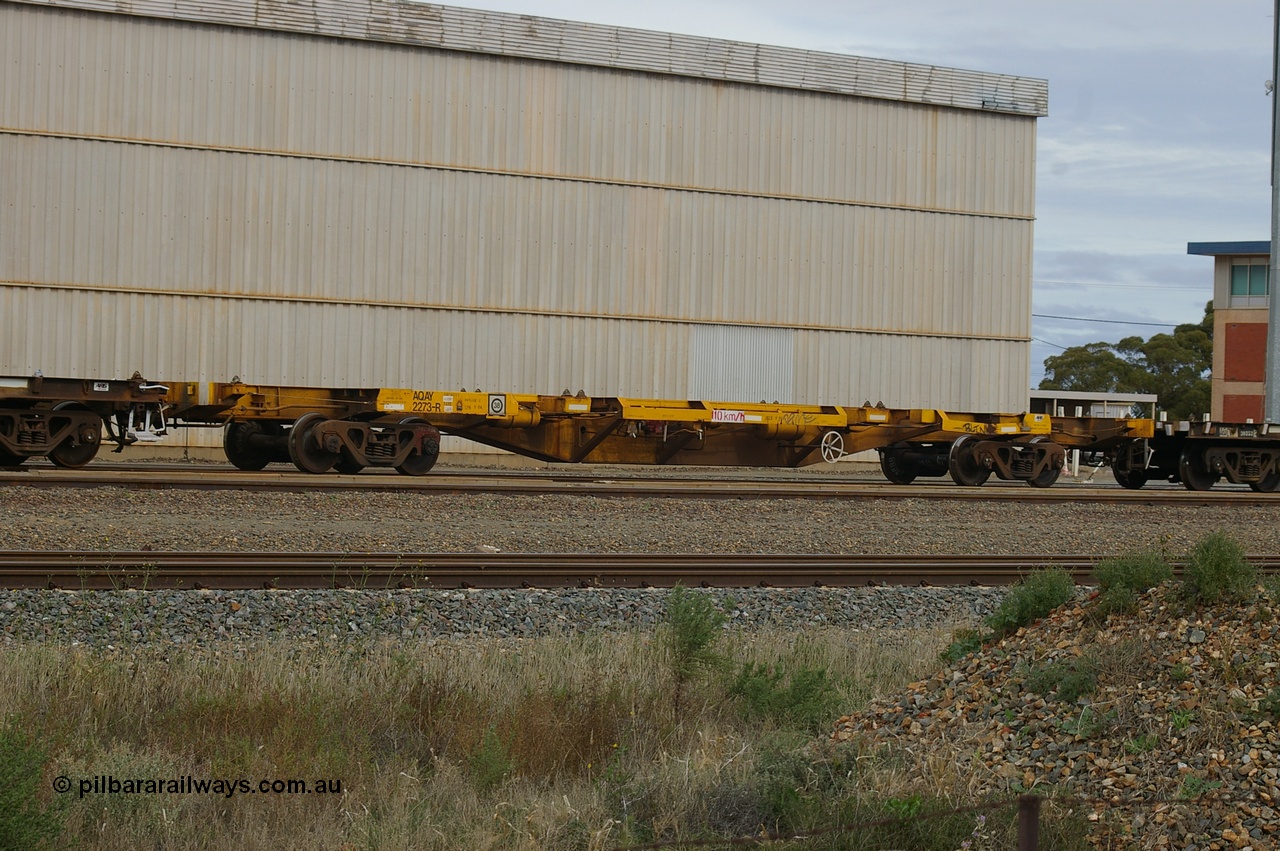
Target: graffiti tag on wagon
(798, 418)
(724, 416)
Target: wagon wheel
(10, 459)
(82, 446)
(236, 445)
(1129, 477)
(1269, 483)
(1125, 473)
(896, 468)
(1195, 474)
(421, 463)
(1047, 476)
(966, 469)
(832, 447)
(305, 453)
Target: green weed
(692, 629)
(1067, 681)
(1181, 719)
(1037, 595)
(805, 697)
(1271, 584)
(490, 762)
(1269, 706)
(1142, 744)
(1138, 572)
(963, 642)
(1217, 570)
(1194, 786)
(1089, 723)
(1123, 578)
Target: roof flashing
(553, 40)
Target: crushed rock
(1177, 746)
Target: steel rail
(72, 570)
(614, 485)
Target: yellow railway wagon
(347, 429)
(321, 429)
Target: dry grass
(557, 743)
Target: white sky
(1158, 131)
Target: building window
(1249, 284)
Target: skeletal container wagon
(344, 430)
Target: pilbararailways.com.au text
(107, 784)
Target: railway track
(222, 570)
(710, 484)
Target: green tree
(1174, 366)
(1093, 368)
(689, 636)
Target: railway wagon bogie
(1037, 461)
(66, 420)
(317, 444)
(1198, 456)
(74, 434)
(1204, 462)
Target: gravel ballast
(240, 521)
(199, 618)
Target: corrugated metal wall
(62, 332)
(200, 202)
(739, 364)
(122, 77)
(189, 221)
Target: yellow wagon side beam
(347, 425)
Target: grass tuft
(1123, 578)
(26, 822)
(549, 743)
(1217, 570)
(1038, 594)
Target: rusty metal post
(1028, 823)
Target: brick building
(1240, 290)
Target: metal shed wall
(139, 79)
(203, 201)
(60, 331)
